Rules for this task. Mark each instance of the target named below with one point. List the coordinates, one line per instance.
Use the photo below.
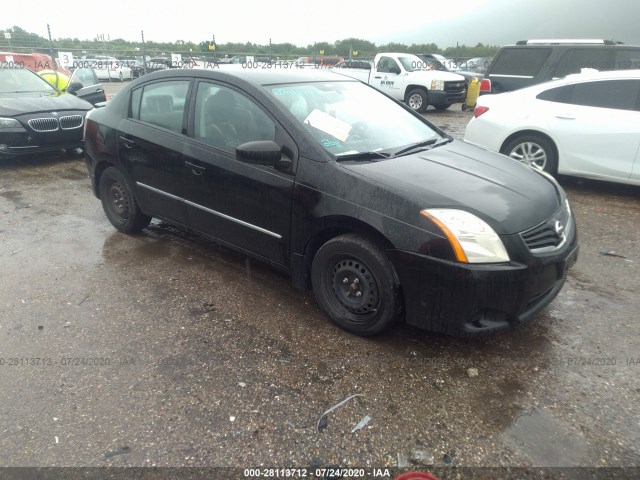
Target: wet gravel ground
(163, 349)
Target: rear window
(524, 62)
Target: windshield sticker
(330, 143)
(328, 124)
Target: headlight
(437, 84)
(9, 123)
(472, 240)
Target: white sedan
(111, 69)
(586, 125)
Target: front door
(243, 205)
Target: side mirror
(73, 87)
(263, 152)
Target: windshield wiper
(433, 142)
(363, 156)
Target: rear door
(151, 142)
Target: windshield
(411, 63)
(350, 117)
(22, 80)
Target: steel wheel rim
(355, 287)
(118, 201)
(415, 101)
(530, 153)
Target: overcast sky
(302, 23)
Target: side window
(85, 76)
(163, 104)
(616, 94)
(558, 94)
(136, 96)
(225, 118)
(627, 59)
(572, 61)
(385, 64)
(525, 62)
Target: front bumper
(441, 97)
(466, 299)
(24, 143)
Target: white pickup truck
(407, 78)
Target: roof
(277, 74)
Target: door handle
(195, 169)
(128, 143)
(377, 77)
(566, 116)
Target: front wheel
(417, 100)
(119, 203)
(533, 150)
(355, 284)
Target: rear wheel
(417, 100)
(533, 150)
(119, 204)
(355, 284)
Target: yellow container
(473, 92)
(60, 81)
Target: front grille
(71, 121)
(454, 86)
(551, 234)
(44, 124)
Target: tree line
(25, 42)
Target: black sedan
(354, 195)
(35, 117)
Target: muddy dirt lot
(162, 349)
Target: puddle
(546, 440)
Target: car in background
(435, 61)
(355, 63)
(477, 65)
(158, 63)
(585, 125)
(135, 64)
(353, 194)
(106, 68)
(35, 117)
(530, 62)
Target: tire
(533, 150)
(442, 107)
(119, 203)
(356, 285)
(417, 100)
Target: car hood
(509, 196)
(12, 104)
